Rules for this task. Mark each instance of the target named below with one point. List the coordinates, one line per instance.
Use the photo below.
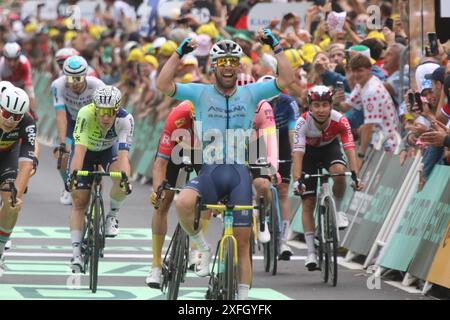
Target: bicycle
(12, 189)
(222, 285)
(175, 262)
(327, 233)
(93, 239)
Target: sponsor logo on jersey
(180, 122)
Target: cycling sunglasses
(224, 61)
(106, 112)
(7, 115)
(75, 80)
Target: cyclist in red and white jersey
(315, 143)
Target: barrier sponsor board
(391, 176)
(403, 246)
(440, 269)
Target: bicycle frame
(324, 193)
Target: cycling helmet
(62, 54)
(320, 93)
(75, 66)
(107, 97)
(5, 85)
(225, 48)
(15, 100)
(12, 50)
(244, 79)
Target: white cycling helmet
(75, 66)
(62, 54)
(5, 85)
(225, 48)
(107, 97)
(12, 50)
(15, 100)
(320, 93)
(268, 78)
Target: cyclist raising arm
(219, 108)
(315, 143)
(102, 134)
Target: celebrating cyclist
(102, 134)
(17, 138)
(315, 144)
(221, 108)
(70, 93)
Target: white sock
(309, 238)
(200, 241)
(243, 291)
(114, 207)
(338, 202)
(75, 236)
(284, 231)
(2, 247)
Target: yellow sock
(205, 224)
(157, 244)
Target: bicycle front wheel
(332, 242)
(229, 284)
(178, 265)
(323, 250)
(96, 244)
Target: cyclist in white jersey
(70, 93)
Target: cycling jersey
(264, 124)
(446, 110)
(179, 118)
(307, 133)
(216, 113)
(16, 146)
(89, 133)
(286, 112)
(20, 77)
(66, 99)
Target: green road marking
(64, 233)
(41, 292)
(61, 268)
(109, 248)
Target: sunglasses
(106, 112)
(7, 115)
(222, 62)
(75, 80)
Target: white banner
(50, 9)
(262, 13)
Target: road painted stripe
(107, 255)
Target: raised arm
(165, 81)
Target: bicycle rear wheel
(96, 245)
(229, 284)
(332, 243)
(178, 264)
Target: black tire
(323, 245)
(180, 244)
(274, 235)
(97, 244)
(229, 276)
(332, 243)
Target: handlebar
(306, 176)
(124, 183)
(62, 150)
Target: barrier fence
(411, 228)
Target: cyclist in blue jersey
(286, 112)
(219, 108)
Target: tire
(324, 260)
(332, 243)
(274, 234)
(178, 264)
(97, 244)
(229, 275)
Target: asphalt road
(37, 264)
